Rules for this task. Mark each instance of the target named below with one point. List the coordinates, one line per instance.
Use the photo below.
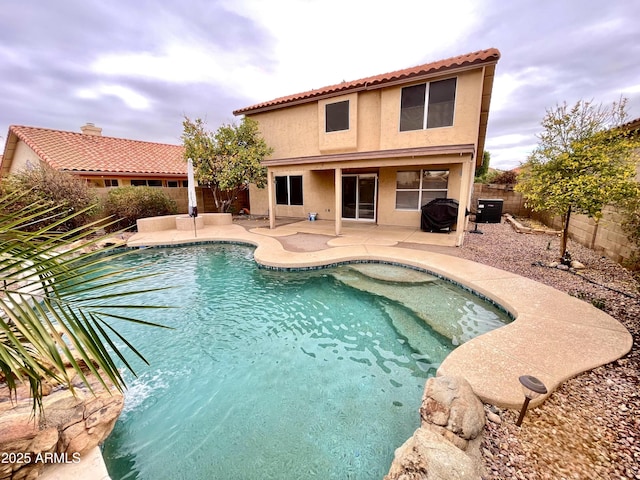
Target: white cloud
(323, 42)
(131, 98)
(318, 43)
(507, 158)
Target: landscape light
(532, 388)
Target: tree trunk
(565, 233)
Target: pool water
(283, 375)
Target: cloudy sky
(135, 68)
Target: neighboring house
(102, 161)
(378, 149)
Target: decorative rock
(450, 402)
(426, 456)
(562, 267)
(577, 265)
(447, 444)
(492, 417)
(553, 264)
(69, 425)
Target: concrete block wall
(606, 236)
(513, 202)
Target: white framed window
(415, 188)
(289, 190)
(336, 116)
(110, 182)
(428, 105)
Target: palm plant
(57, 301)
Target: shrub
(128, 204)
(505, 178)
(46, 185)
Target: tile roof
(491, 55)
(78, 152)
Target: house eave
(408, 153)
(94, 173)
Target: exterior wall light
(532, 388)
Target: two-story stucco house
(379, 148)
(102, 161)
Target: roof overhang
(451, 66)
(373, 156)
(93, 173)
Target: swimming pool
(269, 374)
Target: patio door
(359, 194)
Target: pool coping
(553, 336)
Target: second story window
(336, 116)
(428, 105)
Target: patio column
(465, 199)
(271, 195)
(338, 196)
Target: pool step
(412, 295)
(433, 346)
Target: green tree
(582, 163)
(57, 303)
(482, 170)
(228, 160)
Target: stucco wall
(23, 156)
(465, 121)
(299, 130)
(319, 192)
(297, 135)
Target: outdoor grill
(439, 215)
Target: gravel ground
(590, 427)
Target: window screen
(337, 116)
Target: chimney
(91, 129)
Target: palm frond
(57, 301)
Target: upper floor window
(289, 190)
(336, 116)
(428, 105)
(415, 188)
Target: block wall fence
(606, 236)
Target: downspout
(465, 199)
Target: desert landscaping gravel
(590, 427)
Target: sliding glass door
(359, 197)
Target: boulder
(70, 423)
(449, 402)
(427, 456)
(577, 265)
(447, 444)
